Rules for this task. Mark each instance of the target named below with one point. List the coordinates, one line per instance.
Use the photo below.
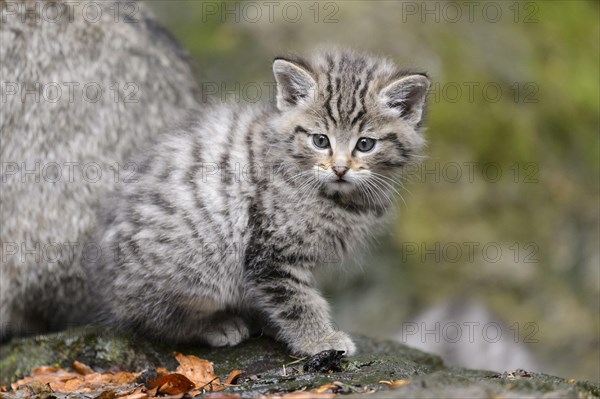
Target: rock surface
(264, 360)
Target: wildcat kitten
(231, 213)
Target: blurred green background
(513, 157)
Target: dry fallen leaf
(201, 372)
(233, 377)
(81, 368)
(60, 380)
(221, 395)
(72, 385)
(46, 375)
(327, 387)
(137, 394)
(97, 378)
(195, 392)
(36, 388)
(172, 384)
(396, 383)
(44, 370)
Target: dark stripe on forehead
(338, 84)
(341, 69)
(361, 125)
(357, 84)
(357, 117)
(326, 123)
(362, 94)
(329, 90)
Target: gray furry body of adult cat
(52, 134)
(231, 212)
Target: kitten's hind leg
(224, 330)
(189, 322)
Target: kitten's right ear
(295, 84)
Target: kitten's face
(348, 159)
(352, 122)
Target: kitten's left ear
(295, 84)
(406, 97)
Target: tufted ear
(407, 96)
(295, 83)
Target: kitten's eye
(365, 144)
(320, 140)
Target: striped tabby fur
(232, 211)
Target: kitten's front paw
(228, 332)
(337, 340)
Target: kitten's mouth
(341, 186)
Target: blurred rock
(465, 333)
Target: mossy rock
(264, 359)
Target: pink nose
(340, 170)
